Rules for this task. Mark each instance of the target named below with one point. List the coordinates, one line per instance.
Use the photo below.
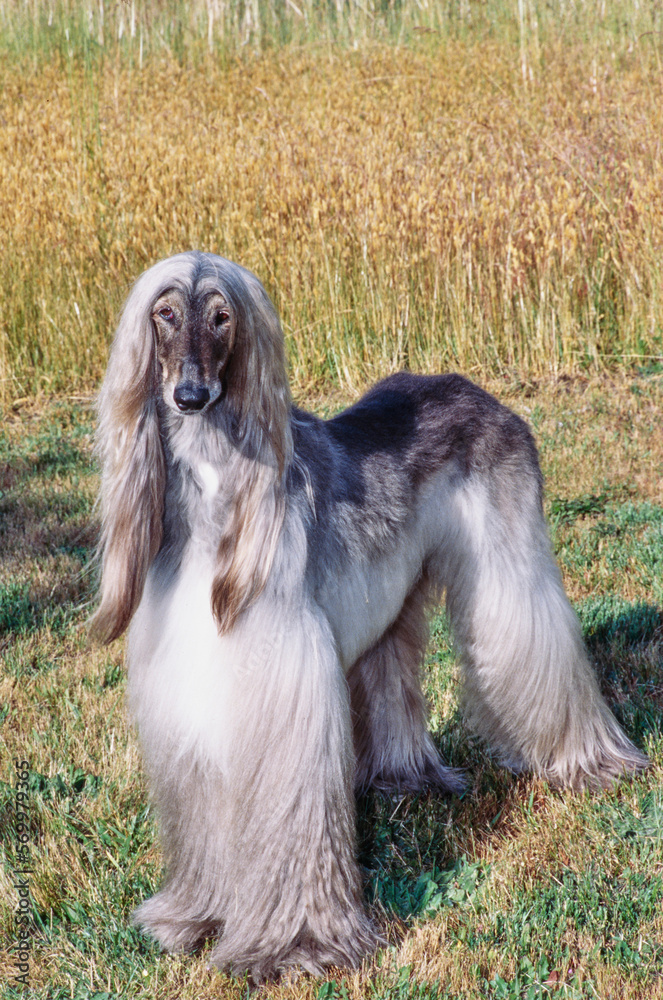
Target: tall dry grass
(478, 200)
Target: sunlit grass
(512, 891)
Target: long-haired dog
(275, 571)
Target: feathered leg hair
(394, 750)
(527, 685)
(261, 851)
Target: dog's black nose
(190, 397)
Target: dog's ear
(133, 466)
(257, 397)
(256, 384)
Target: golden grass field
(443, 204)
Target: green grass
(510, 891)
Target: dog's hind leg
(529, 688)
(393, 748)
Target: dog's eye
(167, 313)
(221, 318)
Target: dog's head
(197, 329)
(195, 333)
(199, 334)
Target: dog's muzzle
(189, 397)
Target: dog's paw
(306, 954)
(169, 925)
(603, 769)
(432, 776)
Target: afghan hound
(275, 571)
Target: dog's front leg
(292, 885)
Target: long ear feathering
(257, 406)
(257, 390)
(131, 454)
